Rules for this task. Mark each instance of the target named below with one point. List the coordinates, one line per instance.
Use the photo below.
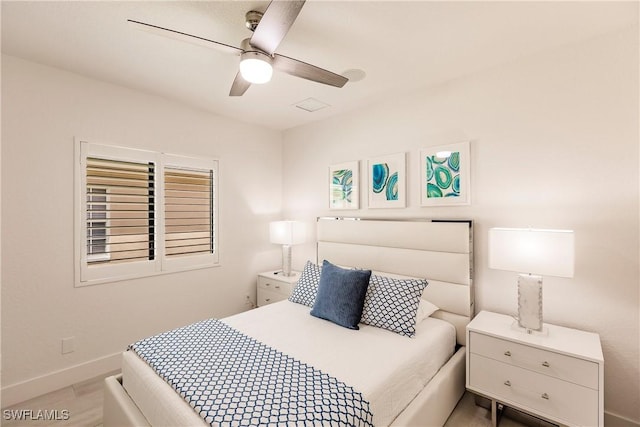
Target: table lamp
(287, 233)
(532, 253)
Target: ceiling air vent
(311, 105)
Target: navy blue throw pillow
(341, 295)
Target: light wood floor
(83, 402)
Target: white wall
(43, 109)
(554, 144)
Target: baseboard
(20, 392)
(615, 420)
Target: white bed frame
(439, 250)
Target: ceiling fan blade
(275, 24)
(179, 35)
(307, 71)
(239, 86)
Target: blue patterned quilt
(231, 379)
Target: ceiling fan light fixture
(255, 67)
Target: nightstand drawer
(530, 391)
(267, 296)
(579, 371)
(274, 286)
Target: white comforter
(387, 368)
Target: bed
(404, 381)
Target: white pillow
(425, 309)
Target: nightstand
(557, 376)
(274, 287)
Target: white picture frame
(344, 184)
(445, 178)
(387, 181)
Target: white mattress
(387, 368)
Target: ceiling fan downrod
(252, 19)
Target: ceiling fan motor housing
(249, 51)
(256, 54)
(247, 47)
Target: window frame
(86, 274)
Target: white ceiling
(401, 45)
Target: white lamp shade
(543, 252)
(287, 232)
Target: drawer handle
(545, 364)
(545, 396)
(277, 286)
(507, 383)
(507, 353)
(267, 299)
(267, 284)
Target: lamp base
(530, 302)
(542, 332)
(286, 260)
(282, 273)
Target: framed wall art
(444, 175)
(343, 186)
(387, 181)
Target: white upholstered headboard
(439, 250)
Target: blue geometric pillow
(341, 295)
(307, 287)
(393, 303)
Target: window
(188, 203)
(142, 213)
(120, 195)
(189, 209)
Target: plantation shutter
(142, 213)
(120, 211)
(188, 209)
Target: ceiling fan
(257, 53)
